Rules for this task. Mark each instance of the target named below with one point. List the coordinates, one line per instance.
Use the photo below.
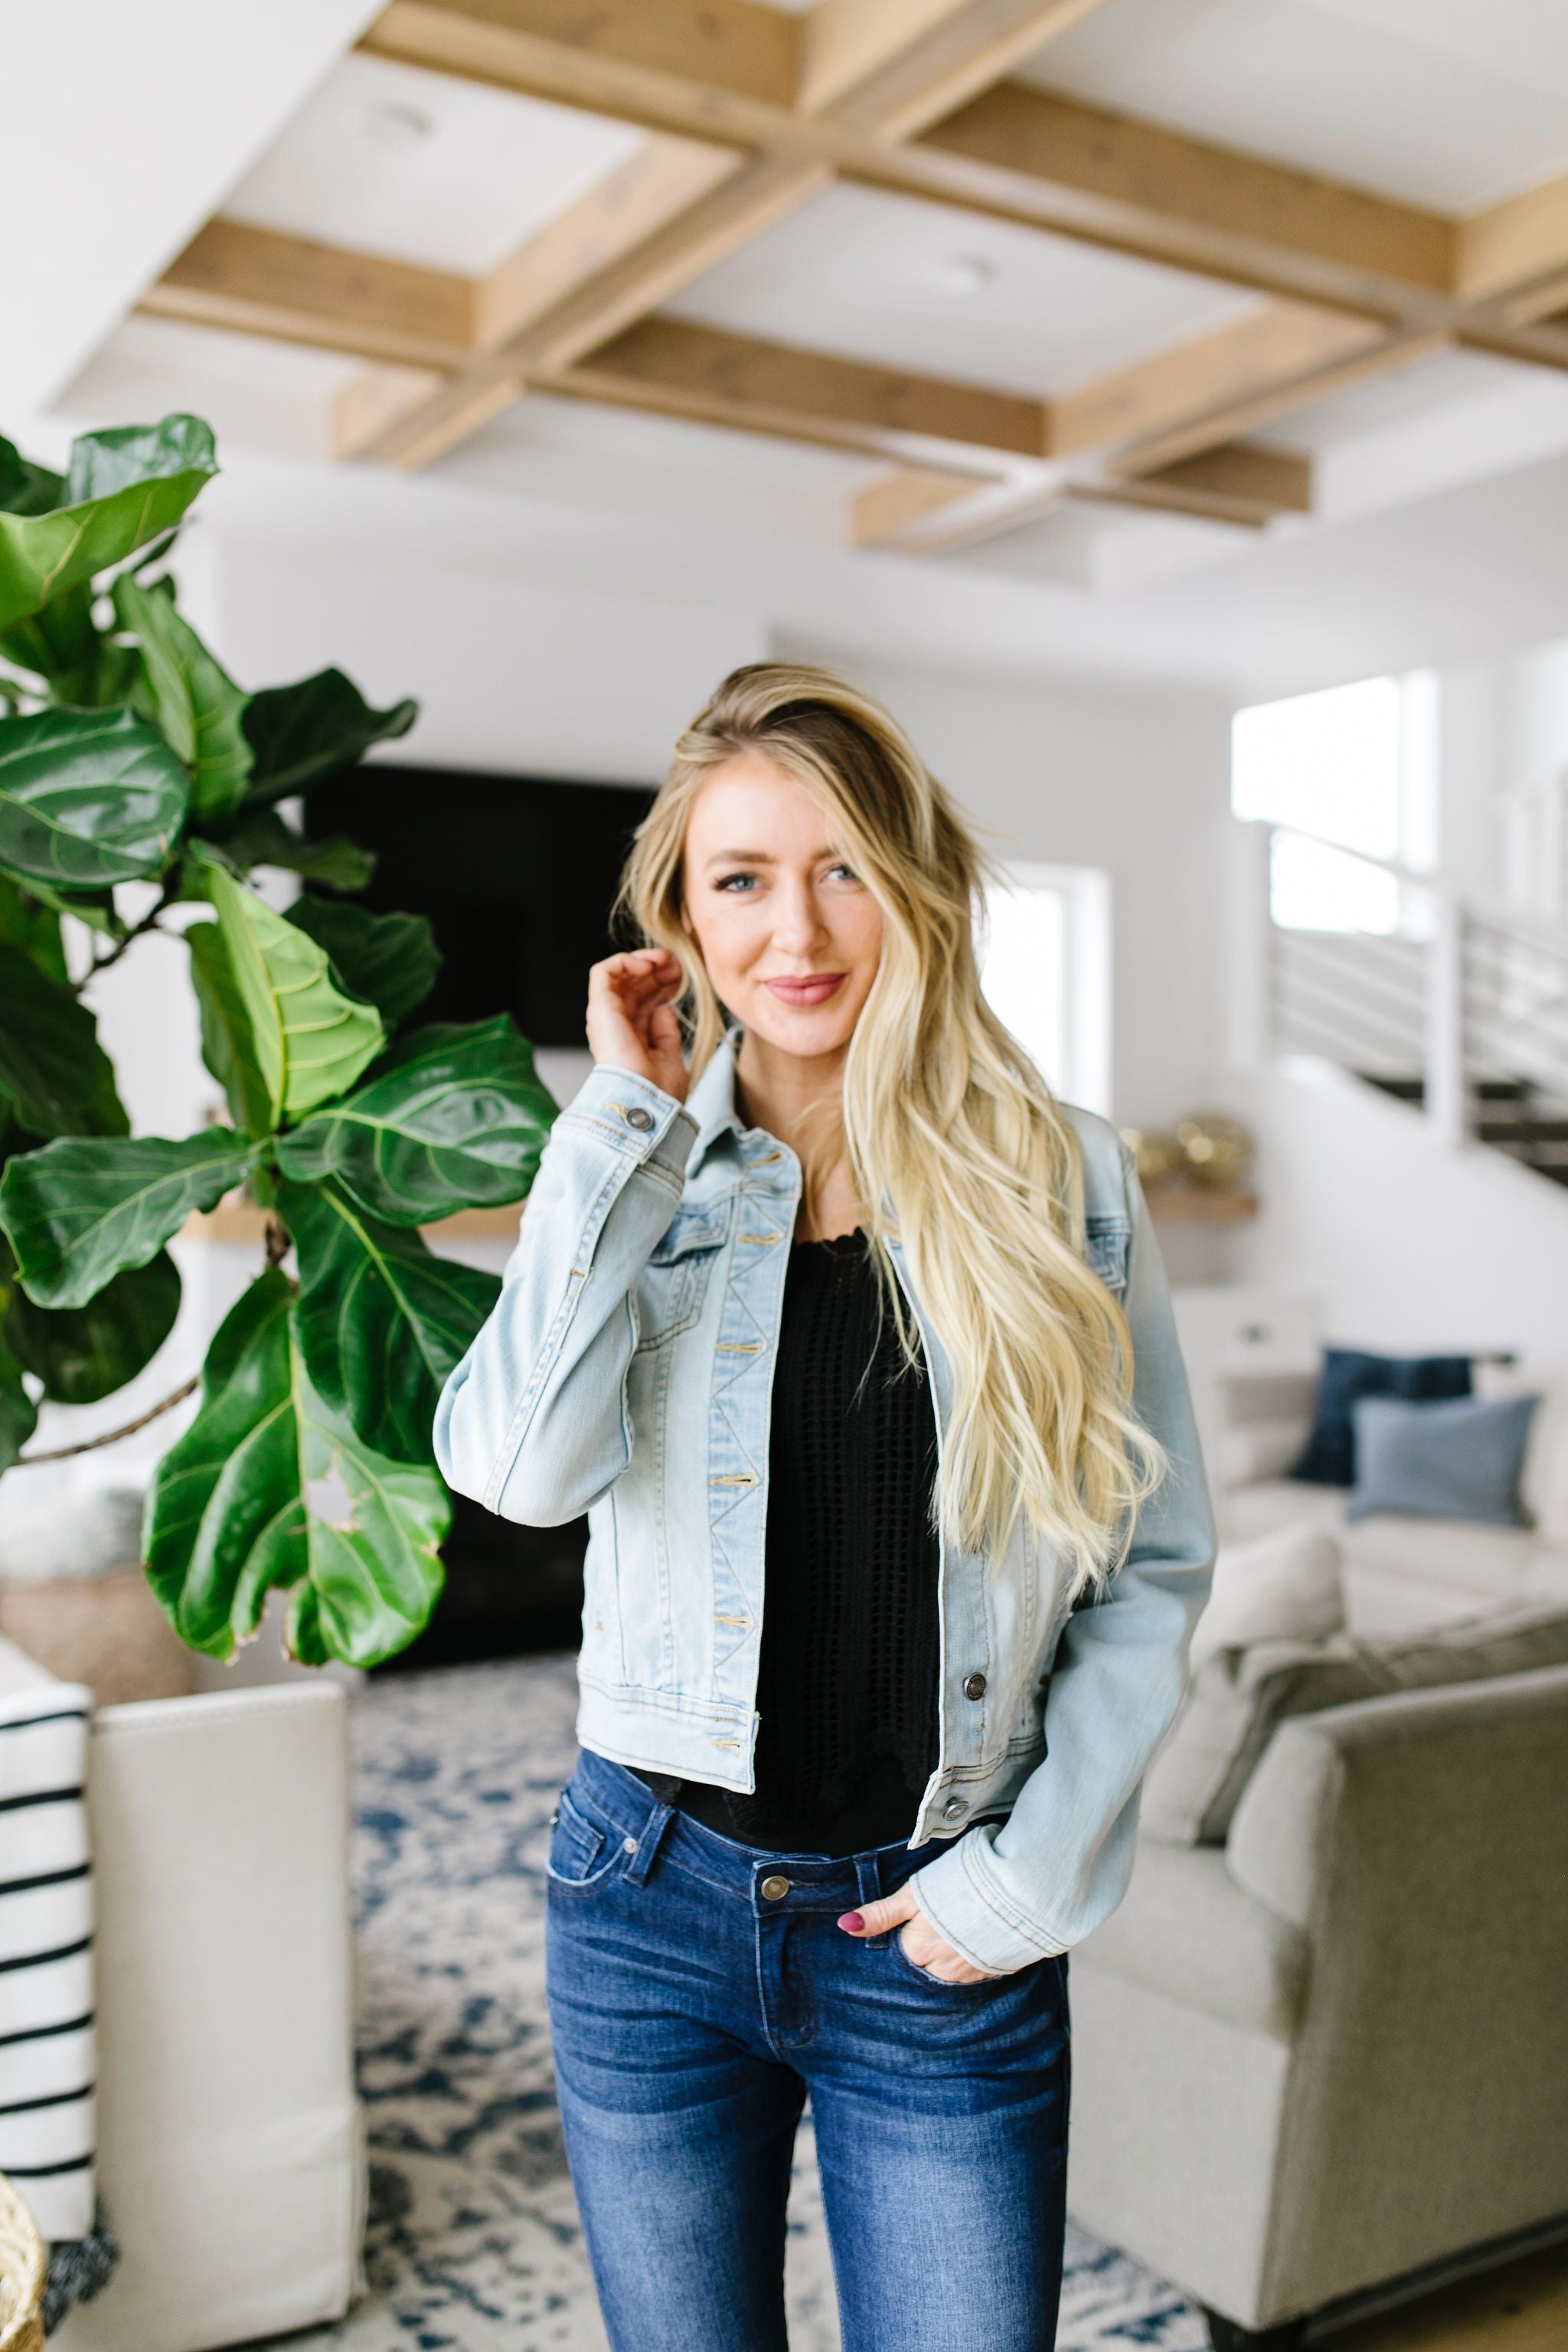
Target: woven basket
(21, 2276)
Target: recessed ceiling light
(392, 125)
(962, 273)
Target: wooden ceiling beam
(1244, 482)
(890, 68)
(258, 283)
(1201, 206)
(710, 378)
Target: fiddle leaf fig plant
(133, 767)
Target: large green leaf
(27, 488)
(199, 707)
(311, 1042)
(87, 798)
(454, 1117)
(382, 1321)
(82, 1353)
(268, 1486)
(124, 488)
(62, 647)
(229, 1041)
(51, 1064)
(26, 923)
(262, 837)
(391, 960)
(82, 1208)
(301, 733)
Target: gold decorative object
(21, 2276)
(1218, 1150)
(1158, 1156)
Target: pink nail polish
(851, 1922)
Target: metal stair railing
(1462, 1008)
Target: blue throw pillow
(1456, 1460)
(1328, 1457)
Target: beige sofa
(1315, 2061)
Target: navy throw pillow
(1329, 1456)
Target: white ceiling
(869, 276)
(1447, 103)
(486, 169)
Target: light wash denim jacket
(627, 1370)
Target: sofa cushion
(1450, 1458)
(1187, 1930)
(1328, 1458)
(1281, 1586)
(1236, 1700)
(1260, 1508)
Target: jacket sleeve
(533, 1423)
(1059, 1864)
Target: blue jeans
(691, 2014)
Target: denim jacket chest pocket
(672, 1284)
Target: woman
(854, 1312)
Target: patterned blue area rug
(473, 2243)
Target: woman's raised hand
(631, 1016)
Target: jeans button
(953, 1808)
(775, 1889)
(975, 1686)
(639, 1117)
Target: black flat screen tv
(517, 875)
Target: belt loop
(868, 1875)
(654, 1828)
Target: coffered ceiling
(983, 260)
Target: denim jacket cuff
(636, 1118)
(960, 1896)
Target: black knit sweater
(846, 1688)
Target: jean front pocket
(585, 1855)
(923, 1976)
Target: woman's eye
(727, 882)
(846, 870)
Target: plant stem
(112, 1436)
(279, 1242)
(149, 923)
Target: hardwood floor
(1521, 2308)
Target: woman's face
(790, 934)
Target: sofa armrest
(1423, 1778)
(231, 2158)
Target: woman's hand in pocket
(631, 1016)
(919, 1939)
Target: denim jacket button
(640, 1117)
(975, 1686)
(953, 1808)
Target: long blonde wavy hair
(953, 1139)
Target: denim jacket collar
(711, 1102)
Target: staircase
(1455, 1005)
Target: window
(1044, 967)
(1351, 769)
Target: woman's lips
(814, 989)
